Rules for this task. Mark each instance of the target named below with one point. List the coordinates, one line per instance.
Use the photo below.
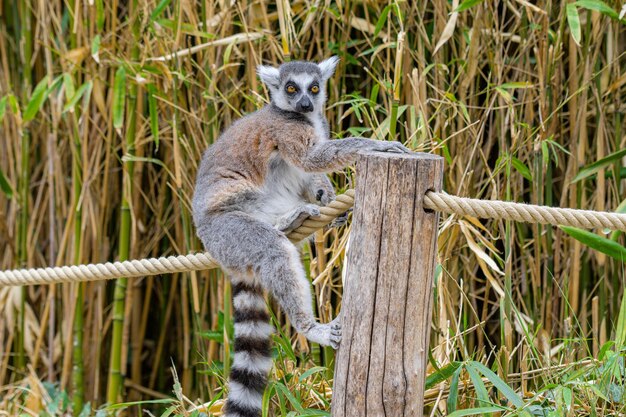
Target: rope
(491, 209)
(158, 266)
(494, 209)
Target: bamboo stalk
(115, 379)
(26, 40)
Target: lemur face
(298, 86)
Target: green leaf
(119, 97)
(128, 404)
(5, 186)
(68, 84)
(169, 411)
(13, 104)
(267, 396)
(294, 402)
(36, 100)
(567, 397)
(216, 336)
(573, 20)
(154, 114)
(381, 20)
(3, 107)
(479, 386)
(159, 9)
(309, 372)
(598, 6)
(442, 374)
(95, 48)
(599, 243)
(598, 165)
(620, 337)
(453, 397)
(467, 4)
(56, 83)
(85, 90)
(605, 348)
(99, 15)
(522, 168)
(505, 94)
(476, 411)
(497, 382)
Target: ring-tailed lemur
(259, 181)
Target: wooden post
(386, 310)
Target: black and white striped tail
(252, 360)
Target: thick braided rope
(494, 209)
(158, 266)
(432, 200)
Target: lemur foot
(294, 219)
(340, 220)
(328, 334)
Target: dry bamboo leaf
(214, 409)
(448, 30)
(33, 402)
(488, 242)
(531, 7)
(76, 56)
(492, 280)
(478, 250)
(364, 26)
(229, 40)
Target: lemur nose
(304, 105)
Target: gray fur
(259, 181)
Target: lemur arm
(331, 155)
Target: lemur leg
(284, 276)
(244, 245)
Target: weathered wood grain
(380, 366)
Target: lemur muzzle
(304, 105)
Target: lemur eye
(291, 89)
(315, 89)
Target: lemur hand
(389, 146)
(296, 217)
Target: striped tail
(252, 360)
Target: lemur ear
(328, 67)
(269, 75)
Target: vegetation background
(106, 107)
